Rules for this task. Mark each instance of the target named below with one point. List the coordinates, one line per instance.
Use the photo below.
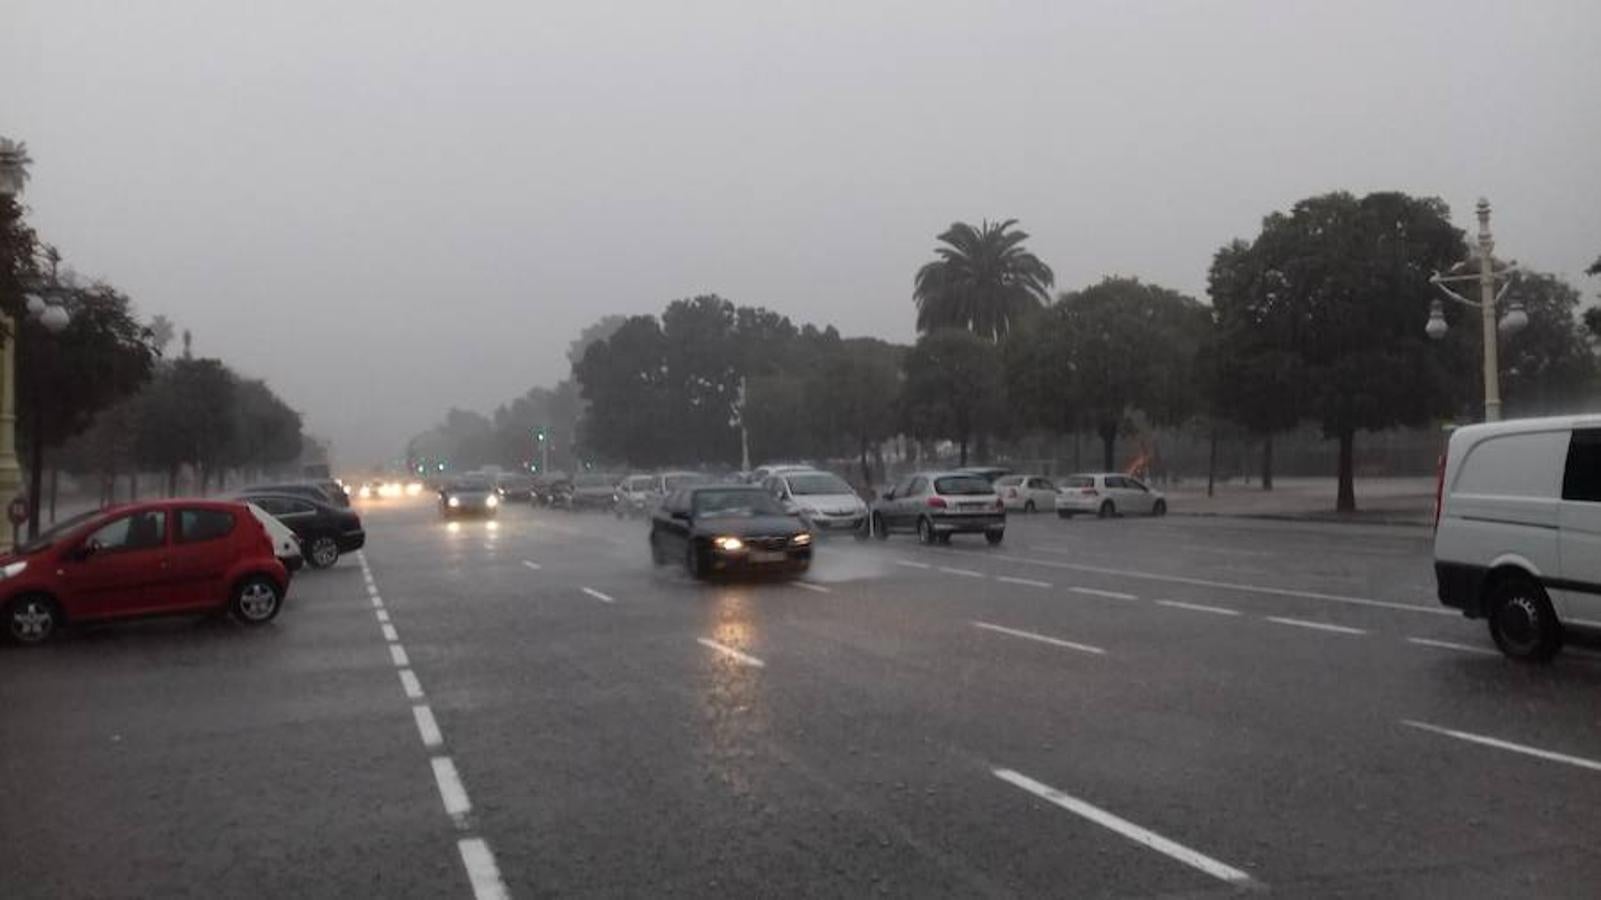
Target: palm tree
(984, 281)
(14, 162)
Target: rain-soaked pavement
(1127, 707)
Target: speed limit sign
(17, 510)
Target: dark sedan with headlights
(729, 529)
(468, 497)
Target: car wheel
(1106, 511)
(1160, 508)
(657, 557)
(877, 526)
(1063, 514)
(1522, 621)
(1029, 507)
(32, 619)
(994, 537)
(256, 600)
(925, 531)
(323, 552)
(694, 562)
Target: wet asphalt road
(1176, 707)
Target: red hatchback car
(142, 559)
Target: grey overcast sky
(386, 208)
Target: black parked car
(729, 528)
(325, 531)
(309, 489)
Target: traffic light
(539, 434)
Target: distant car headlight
(414, 488)
(453, 502)
(491, 501)
(800, 540)
(365, 492)
(12, 570)
(729, 544)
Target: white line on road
(398, 655)
(1199, 607)
(1097, 592)
(604, 598)
(815, 588)
(481, 869)
(531, 564)
(1448, 645)
(382, 614)
(1320, 626)
(1026, 582)
(912, 565)
(1044, 639)
(377, 602)
(1499, 744)
(965, 573)
(390, 635)
(372, 589)
(427, 726)
(730, 652)
(451, 791)
(1145, 836)
(410, 684)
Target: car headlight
(492, 501)
(365, 492)
(454, 501)
(12, 570)
(800, 540)
(729, 544)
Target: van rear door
(1580, 583)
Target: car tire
(1106, 511)
(322, 552)
(1522, 622)
(877, 527)
(32, 619)
(694, 562)
(1030, 508)
(994, 537)
(925, 532)
(256, 600)
(657, 557)
(1063, 514)
(1159, 508)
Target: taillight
(1439, 488)
(936, 503)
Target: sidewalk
(1380, 501)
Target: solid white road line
(1026, 582)
(1199, 607)
(427, 726)
(815, 588)
(965, 573)
(1044, 639)
(910, 564)
(1171, 849)
(1448, 645)
(481, 870)
(382, 614)
(410, 684)
(730, 652)
(1096, 592)
(389, 633)
(1499, 744)
(451, 792)
(531, 564)
(1320, 626)
(397, 653)
(604, 598)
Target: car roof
(1517, 426)
(270, 495)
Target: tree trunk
(133, 485)
(35, 483)
(964, 451)
(867, 472)
(1108, 448)
(1078, 452)
(1267, 462)
(1211, 461)
(1347, 499)
(172, 481)
(55, 485)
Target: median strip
(1044, 639)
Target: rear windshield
(737, 502)
(962, 484)
(1008, 481)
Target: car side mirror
(85, 550)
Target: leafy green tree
(860, 386)
(624, 379)
(984, 280)
(953, 387)
(1548, 367)
(186, 417)
(266, 432)
(596, 331)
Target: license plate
(972, 507)
(766, 556)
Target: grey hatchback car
(936, 505)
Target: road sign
(17, 510)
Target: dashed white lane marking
(377, 602)
(1144, 836)
(910, 564)
(397, 654)
(815, 588)
(1044, 639)
(382, 614)
(604, 598)
(1320, 626)
(481, 870)
(389, 633)
(451, 792)
(1449, 645)
(1199, 607)
(531, 564)
(427, 726)
(965, 573)
(1097, 592)
(1499, 744)
(372, 589)
(410, 684)
(1026, 582)
(731, 653)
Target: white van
(1517, 536)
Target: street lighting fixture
(1482, 258)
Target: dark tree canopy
(984, 281)
(953, 387)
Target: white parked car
(822, 499)
(285, 545)
(1026, 493)
(1107, 494)
(1517, 537)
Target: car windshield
(594, 480)
(469, 485)
(736, 502)
(818, 483)
(56, 532)
(961, 485)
